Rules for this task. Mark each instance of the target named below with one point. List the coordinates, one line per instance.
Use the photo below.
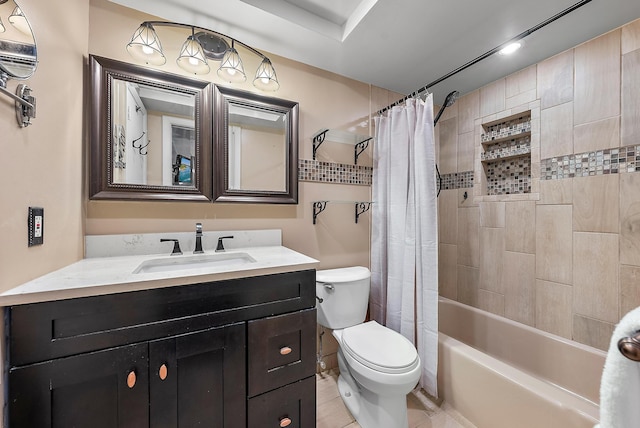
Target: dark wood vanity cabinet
(236, 353)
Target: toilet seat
(380, 348)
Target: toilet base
(372, 410)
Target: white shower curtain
(404, 250)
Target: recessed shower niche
(507, 155)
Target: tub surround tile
(595, 275)
(596, 203)
(466, 151)
(556, 192)
(518, 275)
(492, 214)
(491, 302)
(447, 217)
(491, 259)
(629, 288)
(521, 82)
(448, 161)
(555, 80)
(556, 131)
(492, 99)
(592, 332)
(630, 133)
(468, 111)
(631, 37)
(520, 235)
(468, 285)
(599, 135)
(447, 271)
(554, 243)
(468, 201)
(597, 79)
(469, 236)
(554, 308)
(630, 219)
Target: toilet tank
(345, 296)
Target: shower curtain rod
(488, 53)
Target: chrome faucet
(198, 249)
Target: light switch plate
(35, 222)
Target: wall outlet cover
(35, 223)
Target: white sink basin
(194, 262)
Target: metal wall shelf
(360, 207)
(360, 142)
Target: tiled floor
(423, 413)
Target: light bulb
(147, 50)
(231, 71)
(193, 61)
(510, 48)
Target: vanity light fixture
(200, 48)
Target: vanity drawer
(292, 406)
(43, 331)
(281, 350)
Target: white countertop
(109, 275)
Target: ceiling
(401, 45)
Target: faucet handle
(220, 246)
(176, 246)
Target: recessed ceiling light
(510, 48)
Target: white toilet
(378, 367)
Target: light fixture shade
(19, 21)
(2, 29)
(231, 69)
(192, 58)
(266, 78)
(145, 46)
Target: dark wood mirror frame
(101, 184)
(222, 193)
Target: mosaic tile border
(457, 180)
(336, 173)
(599, 162)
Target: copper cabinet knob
(163, 372)
(285, 422)
(285, 351)
(131, 379)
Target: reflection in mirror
(151, 134)
(256, 148)
(18, 54)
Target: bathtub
(500, 373)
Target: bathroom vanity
(231, 352)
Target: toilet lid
(379, 348)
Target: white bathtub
(500, 373)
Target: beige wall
(569, 261)
(326, 101)
(43, 164)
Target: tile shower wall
(567, 259)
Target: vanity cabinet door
(198, 379)
(105, 389)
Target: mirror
(256, 148)
(150, 134)
(18, 54)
